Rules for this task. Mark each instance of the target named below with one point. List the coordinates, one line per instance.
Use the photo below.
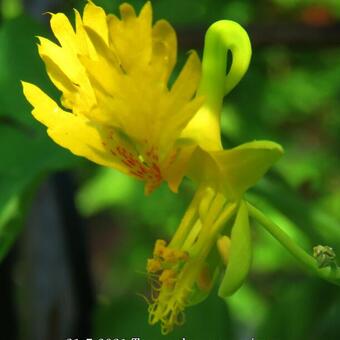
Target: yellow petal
(164, 34)
(64, 32)
(145, 14)
(187, 82)
(130, 38)
(204, 130)
(84, 44)
(66, 72)
(127, 12)
(175, 121)
(175, 171)
(66, 60)
(95, 18)
(236, 170)
(75, 133)
(62, 82)
(102, 49)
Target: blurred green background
(291, 94)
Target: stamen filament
(188, 220)
(190, 240)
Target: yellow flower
(117, 107)
(119, 111)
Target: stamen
(168, 278)
(174, 255)
(206, 203)
(181, 264)
(153, 266)
(192, 237)
(160, 246)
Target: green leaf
(26, 151)
(240, 254)
(24, 158)
(10, 224)
(7, 232)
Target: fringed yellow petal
(78, 135)
(103, 50)
(113, 74)
(75, 133)
(145, 15)
(64, 32)
(187, 82)
(66, 60)
(63, 83)
(84, 44)
(130, 38)
(127, 12)
(176, 120)
(45, 109)
(68, 76)
(95, 18)
(105, 111)
(164, 34)
(175, 172)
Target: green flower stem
(331, 273)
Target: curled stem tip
(221, 37)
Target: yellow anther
(182, 255)
(160, 246)
(223, 246)
(169, 255)
(153, 266)
(167, 278)
(174, 255)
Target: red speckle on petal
(143, 166)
